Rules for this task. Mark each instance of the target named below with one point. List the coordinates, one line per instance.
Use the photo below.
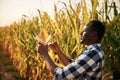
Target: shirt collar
(93, 45)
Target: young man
(88, 65)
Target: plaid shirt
(87, 66)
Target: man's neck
(91, 44)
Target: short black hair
(97, 26)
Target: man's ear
(94, 34)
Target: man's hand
(54, 46)
(43, 49)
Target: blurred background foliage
(19, 39)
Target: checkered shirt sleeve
(88, 66)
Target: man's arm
(78, 67)
(54, 46)
(50, 63)
(43, 50)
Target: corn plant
(19, 39)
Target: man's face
(85, 35)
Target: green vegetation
(19, 39)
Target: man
(88, 65)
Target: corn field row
(19, 39)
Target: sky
(13, 10)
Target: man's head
(92, 32)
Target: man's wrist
(50, 63)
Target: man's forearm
(50, 63)
(63, 58)
(54, 46)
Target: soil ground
(7, 70)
